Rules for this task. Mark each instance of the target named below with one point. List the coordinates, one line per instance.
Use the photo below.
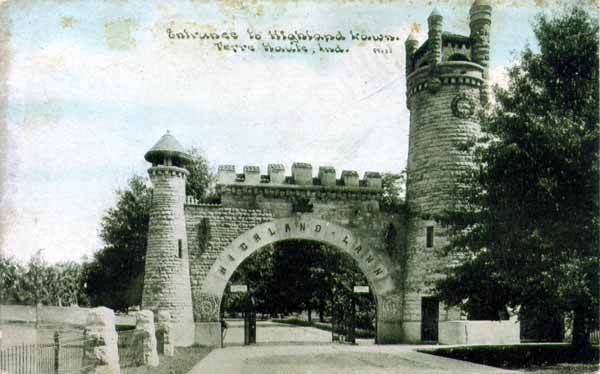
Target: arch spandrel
(375, 266)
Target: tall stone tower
(167, 269)
(446, 86)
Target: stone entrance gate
(193, 249)
(343, 213)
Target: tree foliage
(200, 182)
(526, 222)
(38, 282)
(394, 188)
(115, 276)
(297, 275)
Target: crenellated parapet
(191, 200)
(301, 177)
(173, 171)
(451, 59)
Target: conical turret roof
(435, 13)
(411, 38)
(167, 146)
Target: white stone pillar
(163, 328)
(101, 354)
(145, 337)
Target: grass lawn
(185, 358)
(545, 358)
(565, 369)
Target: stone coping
(315, 188)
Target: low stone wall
(70, 315)
(45, 314)
(479, 332)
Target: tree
(297, 275)
(38, 282)
(394, 187)
(200, 182)
(115, 276)
(10, 273)
(257, 273)
(526, 220)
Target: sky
(91, 86)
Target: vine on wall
(203, 234)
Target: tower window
(180, 248)
(429, 236)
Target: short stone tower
(167, 269)
(446, 86)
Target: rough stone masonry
(193, 248)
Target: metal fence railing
(62, 356)
(130, 348)
(595, 337)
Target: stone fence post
(164, 333)
(101, 354)
(145, 336)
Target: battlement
(447, 58)
(191, 200)
(301, 176)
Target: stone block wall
(435, 157)
(210, 228)
(479, 332)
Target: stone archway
(376, 269)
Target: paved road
(280, 352)
(268, 332)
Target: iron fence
(62, 356)
(130, 348)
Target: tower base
(184, 333)
(208, 334)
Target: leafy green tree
(526, 222)
(257, 273)
(298, 275)
(38, 282)
(200, 182)
(72, 292)
(115, 276)
(10, 273)
(394, 187)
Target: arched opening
(301, 291)
(374, 264)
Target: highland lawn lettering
(286, 229)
